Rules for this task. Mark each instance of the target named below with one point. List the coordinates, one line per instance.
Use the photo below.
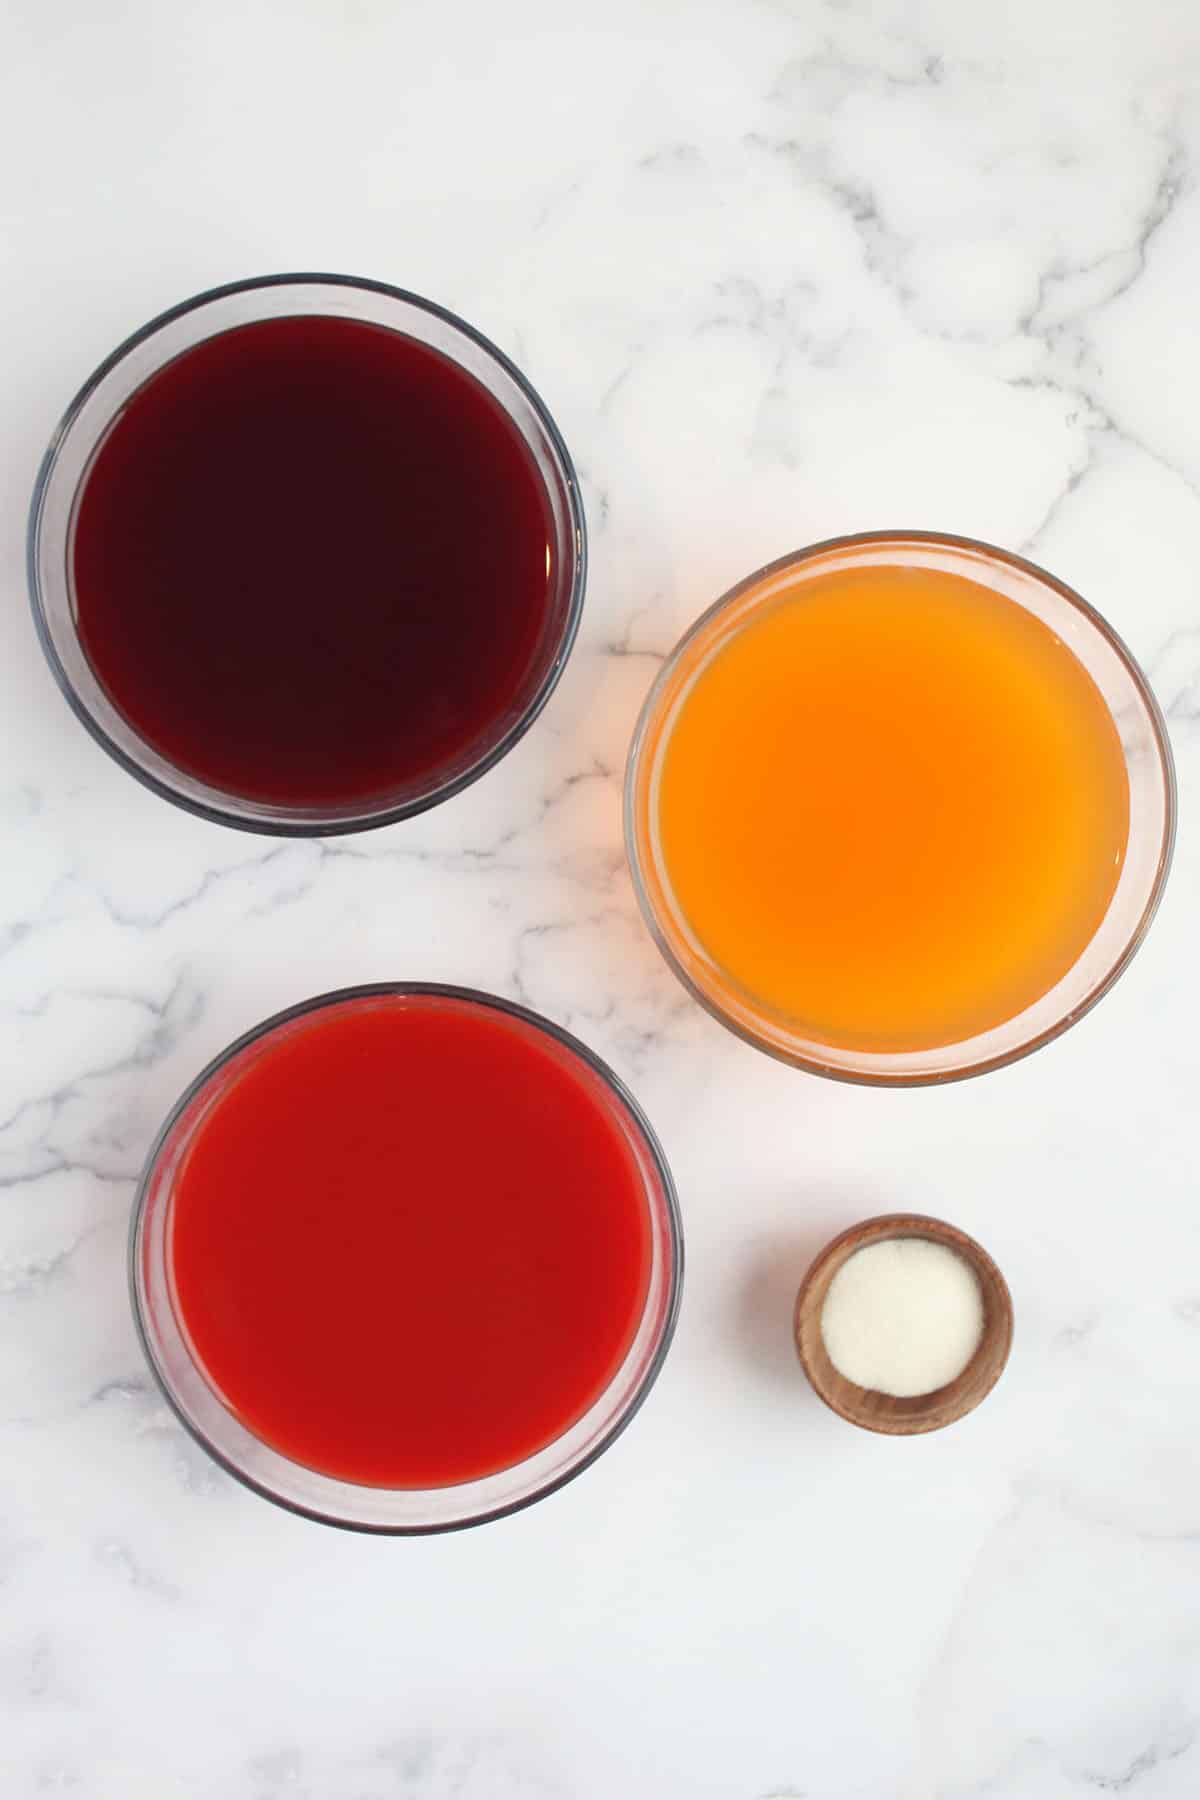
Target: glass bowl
(1148, 763)
(97, 406)
(378, 1509)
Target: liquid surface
(893, 808)
(410, 1245)
(311, 562)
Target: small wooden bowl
(923, 1412)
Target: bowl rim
(882, 1077)
(673, 1271)
(354, 821)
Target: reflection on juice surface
(891, 807)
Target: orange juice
(890, 807)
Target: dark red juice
(410, 1244)
(312, 562)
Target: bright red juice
(410, 1244)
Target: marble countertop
(781, 270)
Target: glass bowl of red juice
(406, 1258)
(307, 554)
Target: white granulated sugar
(902, 1317)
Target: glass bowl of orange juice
(899, 808)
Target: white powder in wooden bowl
(902, 1317)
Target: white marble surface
(782, 270)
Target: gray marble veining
(782, 269)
